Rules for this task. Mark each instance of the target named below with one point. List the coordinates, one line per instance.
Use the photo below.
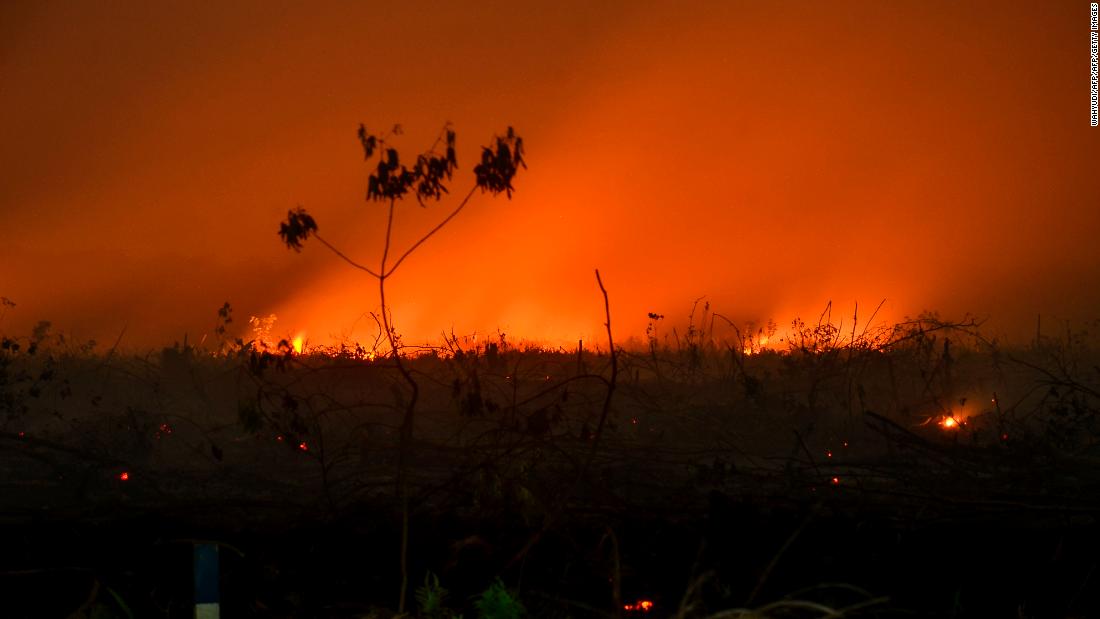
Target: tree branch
(385, 254)
(341, 254)
(427, 236)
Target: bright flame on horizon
(756, 347)
(297, 344)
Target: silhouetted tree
(391, 182)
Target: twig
(611, 383)
(548, 521)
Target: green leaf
(498, 603)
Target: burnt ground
(788, 486)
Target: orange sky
(768, 156)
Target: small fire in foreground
(643, 606)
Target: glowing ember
(643, 606)
(835, 481)
(124, 476)
(949, 423)
(303, 446)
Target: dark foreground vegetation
(918, 470)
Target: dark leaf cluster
(369, 142)
(225, 316)
(296, 228)
(499, 165)
(391, 180)
(428, 177)
(431, 169)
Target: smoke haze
(769, 157)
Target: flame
(952, 422)
(641, 606)
(953, 418)
(296, 343)
(753, 347)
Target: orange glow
(611, 94)
(835, 481)
(755, 345)
(303, 446)
(643, 606)
(297, 344)
(124, 476)
(953, 421)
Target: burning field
(919, 468)
(353, 178)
